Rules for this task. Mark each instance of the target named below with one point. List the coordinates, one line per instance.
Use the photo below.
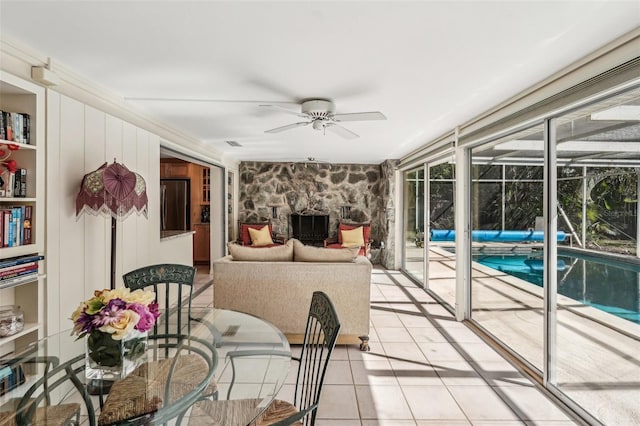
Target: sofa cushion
(303, 253)
(277, 253)
(260, 237)
(244, 231)
(352, 237)
(366, 230)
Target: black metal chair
(36, 406)
(162, 390)
(320, 338)
(178, 282)
(174, 321)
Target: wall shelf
(29, 327)
(24, 97)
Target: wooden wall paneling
(94, 229)
(127, 241)
(72, 249)
(54, 191)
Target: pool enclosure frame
(457, 147)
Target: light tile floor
(424, 368)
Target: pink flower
(148, 315)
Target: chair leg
(364, 343)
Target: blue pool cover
(497, 236)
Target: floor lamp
(115, 191)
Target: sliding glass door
(413, 209)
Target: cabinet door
(170, 169)
(179, 170)
(201, 243)
(206, 185)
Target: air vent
(233, 143)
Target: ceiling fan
(321, 115)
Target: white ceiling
(427, 65)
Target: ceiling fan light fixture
(318, 124)
(321, 114)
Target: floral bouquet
(116, 322)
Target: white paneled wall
(80, 138)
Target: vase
(110, 359)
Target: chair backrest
(178, 282)
(320, 338)
(243, 230)
(347, 226)
(56, 379)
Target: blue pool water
(610, 286)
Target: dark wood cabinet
(174, 169)
(201, 243)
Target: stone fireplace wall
(315, 188)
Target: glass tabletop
(219, 355)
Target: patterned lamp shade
(112, 190)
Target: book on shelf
(13, 268)
(15, 127)
(26, 128)
(28, 214)
(11, 282)
(20, 183)
(15, 226)
(26, 270)
(6, 214)
(16, 217)
(19, 260)
(8, 126)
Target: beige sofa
(280, 292)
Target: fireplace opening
(310, 229)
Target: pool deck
(598, 354)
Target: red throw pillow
(244, 231)
(366, 231)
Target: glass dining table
(219, 355)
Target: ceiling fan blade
(360, 116)
(341, 131)
(205, 100)
(288, 127)
(282, 109)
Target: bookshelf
(23, 97)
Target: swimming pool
(609, 285)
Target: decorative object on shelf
(11, 320)
(112, 190)
(8, 171)
(205, 214)
(116, 323)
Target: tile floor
(424, 368)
